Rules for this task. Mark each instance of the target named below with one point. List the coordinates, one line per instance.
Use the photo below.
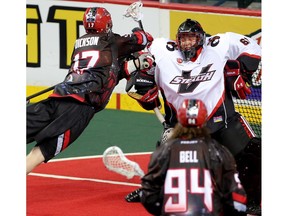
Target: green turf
(131, 131)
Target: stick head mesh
(115, 160)
(134, 11)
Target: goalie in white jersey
(212, 69)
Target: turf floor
(131, 131)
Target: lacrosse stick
(114, 160)
(39, 93)
(134, 11)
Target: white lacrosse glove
(143, 61)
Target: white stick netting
(134, 11)
(115, 160)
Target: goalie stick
(114, 160)
(134, 11)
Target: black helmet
(190, 27)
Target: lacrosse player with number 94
(191, 173)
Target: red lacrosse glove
(234, 80)
(149, 100)
(148, 97)
(143, 38)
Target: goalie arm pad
(235, 81)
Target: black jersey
(56, 122)
(94, 71)
(192, 177)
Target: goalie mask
(190, 37)
(192, 113)
(97, 20)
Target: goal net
(251, 107)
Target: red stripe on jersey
(66, 139)
(75, 96)
(239, 198)
(247, 127)
(197, 54)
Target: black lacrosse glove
(234, 80)
(146, 90)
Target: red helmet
(98, 20)
(191, 113)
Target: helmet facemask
(188, 43)
(190, 38)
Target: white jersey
(204, 78)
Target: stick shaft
(159, 115)
(40, 93)
(156, 110)
(140, 24)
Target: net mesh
(251, 109)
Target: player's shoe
(134, 196)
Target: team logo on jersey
(188, 83)
(179, 60)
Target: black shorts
(235, 135)
(55, 123)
